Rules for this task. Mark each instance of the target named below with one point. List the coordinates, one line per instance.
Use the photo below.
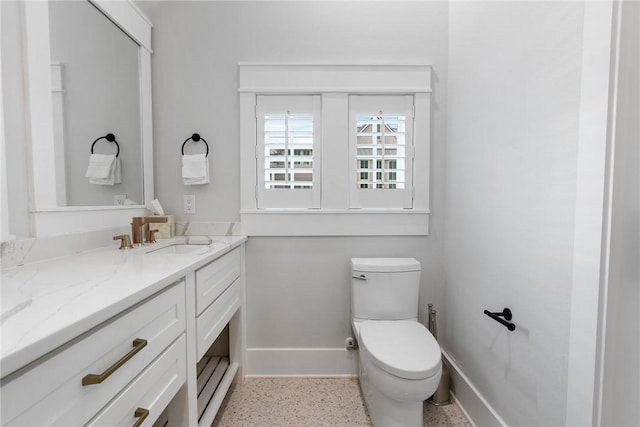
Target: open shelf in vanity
(215, 374)
(210, 376)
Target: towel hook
(109, 137)
(196, 137)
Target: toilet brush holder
(442, 396)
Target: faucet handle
(151, 236)
(125, 241)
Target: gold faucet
(138, 222)
(125, 241)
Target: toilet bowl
(400, 361)
(400, 367)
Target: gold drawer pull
(138, 344)
(142, 414)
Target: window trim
(321, 78)
(334, 83)
(341, 222)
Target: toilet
(400, 361)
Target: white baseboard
(301, 362)
(456, 401)
(473, 404)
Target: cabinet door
(146, 397)
(213, 320)
(52, 391)
(214, 278)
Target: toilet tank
(384, 288)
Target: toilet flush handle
(360, 277)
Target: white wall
(621, 375)
(298, 298)
(197, 47)
(514, 98)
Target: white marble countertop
(48, 303)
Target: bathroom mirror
(115, 94)
(95, 91)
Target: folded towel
(114, 176)
(117, 174)
(195, 169)
(100, 166)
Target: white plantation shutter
(381, 151)
(288, 151)
(375, 142)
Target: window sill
(348, 222)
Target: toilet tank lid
(385, 264)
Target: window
(381, 151)
(288, 129)
(288, 151)
(334, 149)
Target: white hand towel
(100, 166)
(195, 169)
(114, 177)
(117, 174)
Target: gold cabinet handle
(138, 344)
(142, 414)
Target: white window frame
(334, 83)
(288, 198)
(381, 198)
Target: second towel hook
(109, 137)
(196, 137)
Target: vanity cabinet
(218, 296)
(154, 338)
(127, 368)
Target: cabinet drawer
(52, 393)
(214, 278)
(149, 393)
(213, 320)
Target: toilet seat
(403, 348)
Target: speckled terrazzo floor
(293, 402)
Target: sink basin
(181, 248)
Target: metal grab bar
(506, 313)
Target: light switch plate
(189, 203)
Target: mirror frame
(46, 217)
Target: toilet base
(385, 411)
